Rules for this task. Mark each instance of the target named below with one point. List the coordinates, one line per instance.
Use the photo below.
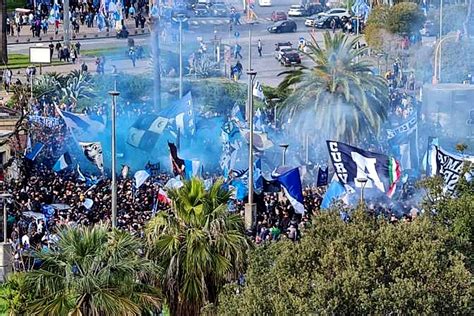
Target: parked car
(325, 22)
(339, 12)
(279, 16)
(311, 19)
(314, 8)
(201, 9)
(219, 9)
(283, 27)
(291, 58)
(265, 3)
(281, 46)
(297, 10)
(428, 29)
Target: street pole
(66, 22)
(283, 158)
(440, 36)
(180, 58)
(250, 207)
(114, 93)
(362, 182)
(5, 248)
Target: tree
(3, 32)
(364, 267)
(405, 18)
(199, 244)
(91, 271)
(339, 91)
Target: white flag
(258, 90)
(93, 152)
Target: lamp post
(437, 60)
(274, 102)
(181, 18)
(66, 18)
(283, 157)
(363, 183)
(250, 207)
(114, 93)
(5, 248)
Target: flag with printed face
(350, 163)
(93, 153)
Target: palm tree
(339, 93)
(199, 244)
(92, 271)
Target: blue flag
(257, 176)
(291, 183)
(34, 151)
(334, 192)
(83, 127)
(322, 177)
(192, 168)
(63, 162)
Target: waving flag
(192, 168)
(260, 139)
(146, 130)
(177, 163)
(34, 151)
(63, 162)
(291, 183)
(322, 177)
(334, 192)
(93, 153)
(140, 177)
(83, 127)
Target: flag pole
(114, 93)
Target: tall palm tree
(199, 244)
(338, 96)
(92, 271)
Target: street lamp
(114, 94)
(180, 18)
(274, 102)
(250, 207)
(283, 158)
(5, 248)
(4, 197)
(363, 183)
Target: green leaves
(339, 90)
(362, 267)
(198, 243)
(92, 271)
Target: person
(236, 71)
(237, 49)
(133, 56)
(259, 48)
(78, 47)
(51, 50)
(333, 25)
(7, 79)
(84, 67)
(114, 70)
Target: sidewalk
(84, 33)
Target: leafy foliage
(199, 245)
(366, 266)
(405, 17)
(339, 86)
(92, 271)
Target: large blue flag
(83, 127)
(334, 192)
(34, 151)
(291, 183)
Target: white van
(265, 3)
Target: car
(219, 9)
(265, 3)
(278, 16)
(311, 19)
(201, 9)
(325, 22)
(428, 29)
(297, 10)
(284, 51)
(283, 27)
(339, 12)
(281, 46)
(291, 58)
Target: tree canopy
(367, 266)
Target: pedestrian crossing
(221, 21)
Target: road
(208, 28)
